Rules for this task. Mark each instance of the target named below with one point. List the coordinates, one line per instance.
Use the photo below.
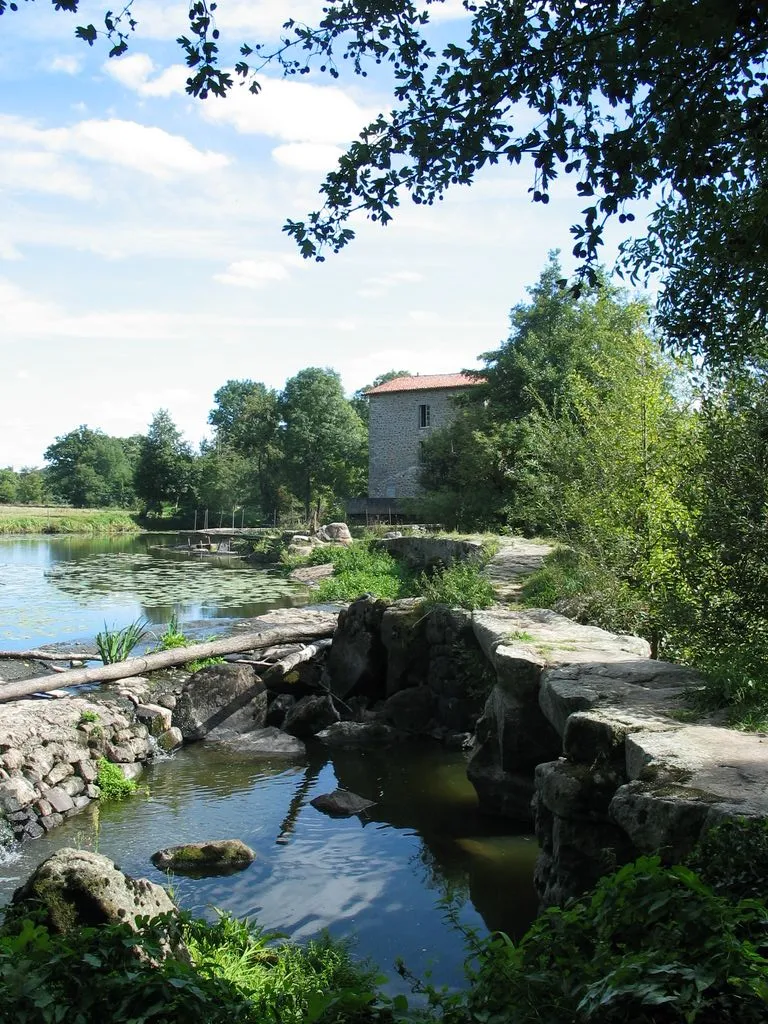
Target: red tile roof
(425, 382)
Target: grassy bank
(59, 519)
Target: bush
(574, 584)
(732, 858)
(649, 946)
(461, 584)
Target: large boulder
(267, 742)
(215, 857)
(430, 552)
(410, 710)
(359, 734)
(310, 716)
(222, 699)
(74, 888)
(335, 533)
(357, 662)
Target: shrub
(574, 584)
(732, 858)
(649, 945)
(88, 716)
(461, 584)
(111, 781)
(116, 644)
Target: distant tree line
(298, 451)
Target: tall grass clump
(360, 569)
(461, 584)
(116, 645)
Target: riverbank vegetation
(651, 473)
(18, 519)
(651, 944)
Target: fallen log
(43, 655)
(165, 659)
(281, 668)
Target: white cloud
(256, 273)
(381, 285)
(67, 64)
(28, 170)
(144, 148)
(307, 156)
(292, 111)
(136, 70)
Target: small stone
(51, 821)
(87, 770)
(170, 740)
(341, 803)
(43, 808)
(74, 786)
(16, 793)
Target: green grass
(173, 637)
(461, 584)
(55, 519)
(359, 569)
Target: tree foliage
(323, 438)
(165, 466)
(88, 468)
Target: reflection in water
(66, 588)
(380, 879)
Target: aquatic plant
(116, 644)
(111, 781)
(174, 637)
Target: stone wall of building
(395, 436)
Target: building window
(423, 415)
(422, 453)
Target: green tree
(323, 437)
(246, 418)
(87, 468)
(8, 486)
(164, 472)
(31, 486)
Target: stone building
(403, 413)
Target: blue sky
(142, 261)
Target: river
(384, 879)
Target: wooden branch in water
(282, 668)
(166, 659)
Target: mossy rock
(217, 857)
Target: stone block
(59, 772)
(15, 793)
(59, 800)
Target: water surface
(66, 588)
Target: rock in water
(341, 804)
(217, 857)
(77, 887)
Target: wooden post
(205, 525)
(195, 526)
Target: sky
(142, 258)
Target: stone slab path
(516, 559)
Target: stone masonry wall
(395, 435)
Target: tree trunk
(163, 659)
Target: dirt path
(516, 559)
